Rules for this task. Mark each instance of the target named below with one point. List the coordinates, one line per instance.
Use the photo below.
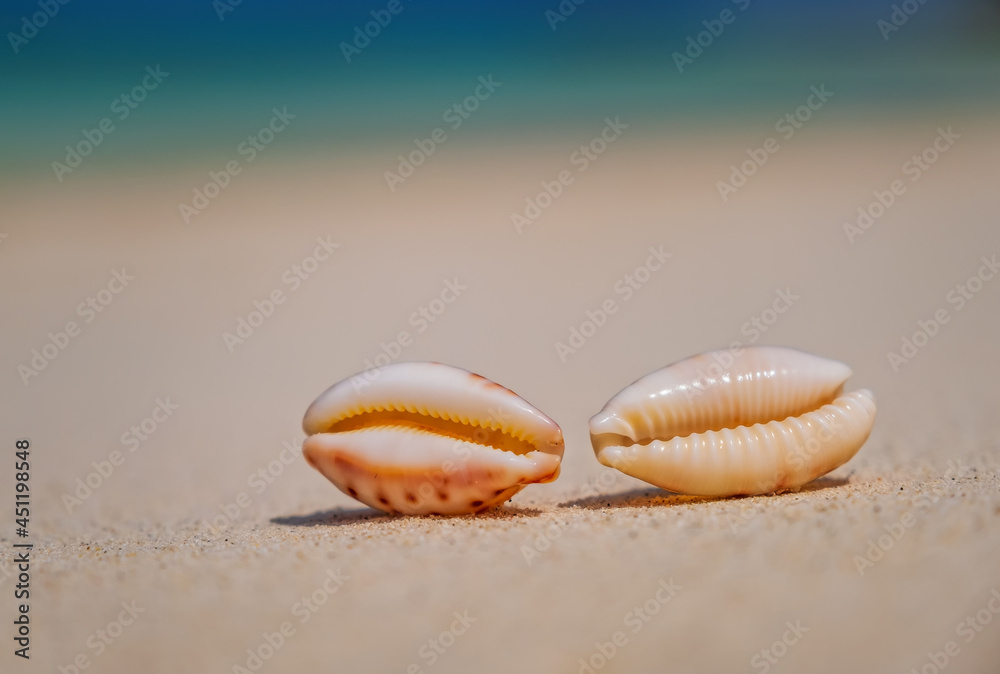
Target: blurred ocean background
(86, 363)
(229, 64)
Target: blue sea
(357, 74)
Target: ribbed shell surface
(718, 424)
(717, 390)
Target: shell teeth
(381, 442)
(490, 423)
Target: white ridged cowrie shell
(429, 439)
(720, 424)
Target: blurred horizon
(226, 74)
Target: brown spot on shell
(490, 384)
(350, 459)
(476, 504)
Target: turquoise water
(224, 75)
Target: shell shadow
(335, 517)
(338, 517)
(654, 496)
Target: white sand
(209, 588)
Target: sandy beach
(176, 526)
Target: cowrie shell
(720, 424)
(429, 439)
